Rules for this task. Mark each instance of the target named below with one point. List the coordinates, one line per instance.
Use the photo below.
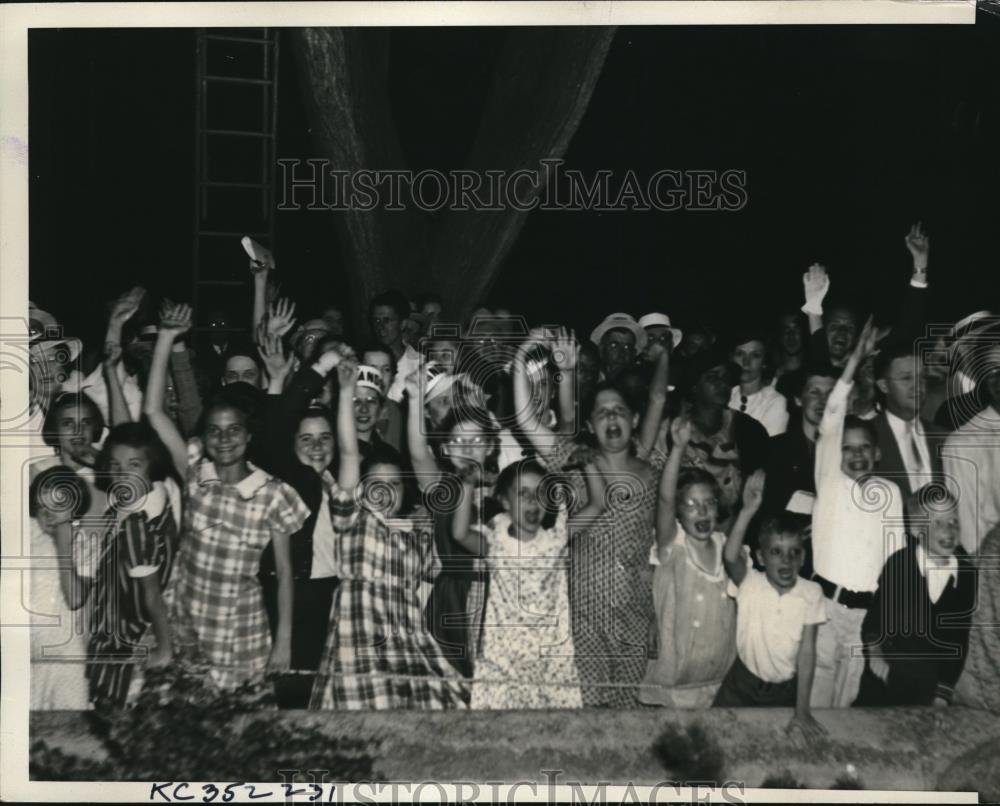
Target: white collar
(151, 504)
(950, 568)
(901, 426)
(247, 487)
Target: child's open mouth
(703, 527)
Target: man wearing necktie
(909, 446)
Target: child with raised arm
(695, 619)
(527, 641)
(129, 630)
(378, 654)
(778, 614)
(857, 524)
(232, 511)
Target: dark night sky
(847, 135)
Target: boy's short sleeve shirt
(769, 625)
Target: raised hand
(815, 283)
(411, 384)
(112, 353)
(261, 259)
(280, 316)
(680, 431)
(347, 372)
(753, 491)
(272, 353)
(175, 318)
(919, 244)
(867, 340)
(564, 350)
(126, 305)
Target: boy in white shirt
(857, 525)
(777, 617)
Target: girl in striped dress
(378, 653)
(134, 564)
(233, 510)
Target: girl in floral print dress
(526, 658)
(233, 511)
(378, 653)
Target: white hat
(371, 377)
(45, 333)
(620, 321)
(437, 380)
(654, 319)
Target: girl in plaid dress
(233, 511)
(378, 654)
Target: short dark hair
(841, 306)
(855, 423)
(783, 524)
(889, 353)
(378, 347)
(242, 397)
(815, 369)
(242, 347)
(634, 405)
(134, 435)
(392, 299)
(382, 453)
(698, 475)
(65, 400)
(69, 491)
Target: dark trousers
(741, 688)
(313, 599)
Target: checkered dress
(216, 605)
(379, 654)
(611, 600)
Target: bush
(690, 754)
(782, 780)
(179, 729)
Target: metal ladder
(235, 131)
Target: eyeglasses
(690, 505)
(474, 441)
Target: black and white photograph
(570, 402)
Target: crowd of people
(498, 514)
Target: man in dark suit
(910, 447)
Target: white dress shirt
(938, 576)
(856, 526)
(909, 434)
(971, 460)
(767, 406)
